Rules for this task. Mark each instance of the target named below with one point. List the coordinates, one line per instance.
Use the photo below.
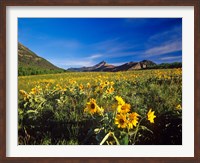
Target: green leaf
(25, 105)
(124, 138)
(20, 111)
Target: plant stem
(115, 138)
(105, 138)
(137, 128)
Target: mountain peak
(148, 62)
(100, 64)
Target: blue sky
(77, 42)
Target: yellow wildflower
(22, 92)
(121, 121)
(106, 83)
(110, 90)
(119, 100)
(101, 86)
(92, 107)
(88, 85)
(33, 91)
(125, 108)
(151, 116)
(178, 107)
(81, 87)
(112, 83)
(133, 120)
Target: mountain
(30, 63)
(28, 58)
(103, 66)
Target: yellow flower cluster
(106, 86)
(110, 90)
(35, 90)
(124, 119)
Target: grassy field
(126, 108)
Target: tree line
(25, 71)
(166, 65)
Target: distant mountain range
(103, 66)
(30, 63)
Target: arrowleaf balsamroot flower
(178, 107)
(88, 85)
(119, 100)
(81, 87)
(92, 107)
(122, 106)
(110, 90)
(121, 121)
(133, 120)
(125, 108)
(151, 116)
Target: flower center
(123, 107)
(92, 106)
(121, 121)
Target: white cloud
(95, 56)
(111, 45)
(171, 58)
(165, 42)
(169, 35)
(164, 49)
(75, 63)
(114, 48)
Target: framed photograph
(99, 81)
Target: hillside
(30, 63)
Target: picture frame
(3, 81)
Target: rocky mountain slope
(103, 66)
